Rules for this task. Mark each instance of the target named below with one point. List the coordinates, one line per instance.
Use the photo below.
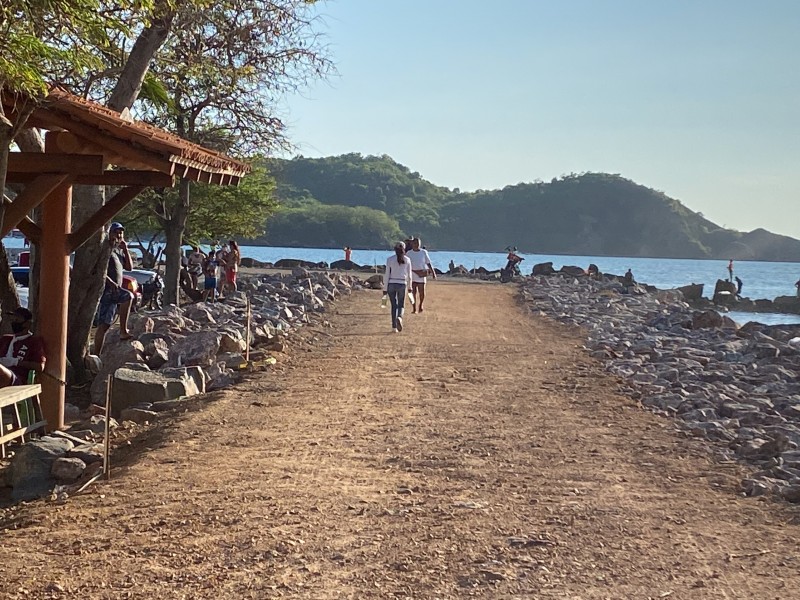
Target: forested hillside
(370, 201)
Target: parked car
(149, 292)
(21, 275)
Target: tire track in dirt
(479, 453)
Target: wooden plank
(116, 178)
(20, 432)
(14, 393)
(55, 162)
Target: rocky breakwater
(177, 352)
(735, 386)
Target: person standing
(797, 285)
(195, 265)
(420, 266)
(210, 272)
(21, 351)
(396, 282)
(348, 252)
(730, 270)
(115, 298)
(232, 261)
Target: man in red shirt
(21, 351)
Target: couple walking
(406, 270)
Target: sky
(699, 99)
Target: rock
(67, 469)
(97, 424)
(543, 269)
(138, 415)
(113, 357)
(87, 453)
(691, 292)
(791, 493)
(132, 388)
(199, 348)
(30, 470)
(572, 270)
(71, 413)
(706, 319)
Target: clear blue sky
(697, 98)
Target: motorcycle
(511, 269)
(152, 293)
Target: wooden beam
(115, 178)
(40, 162)
(109, 143)
(32, 196)
(31, 230)
(121, 199)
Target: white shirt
(419, 262)
(397, 273)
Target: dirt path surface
(477, 454)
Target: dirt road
(477, 454)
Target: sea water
(760, 279)
(766, 280)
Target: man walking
(420, 268)
(115, 298)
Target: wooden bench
(19, 403)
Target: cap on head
(116, 226)
(400, 246)
(22, 312)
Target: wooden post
(107, 429)
(54, 294)
(247, 334)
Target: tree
(42, 44)
(217, 212)
(225, 68)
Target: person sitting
(628, 279)
(20, 351)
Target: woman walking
(396, 280)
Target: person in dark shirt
(739, 285)
(21, 351)
(115, 298)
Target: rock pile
(735, 386)
(175, 353)
(178, 352)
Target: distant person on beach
(730, 270)
(797, 285)
(348, 252)
(451, 267)
(233, 259)
(210, 272)
(738, 287)
(420, 267)
(396, 282)
(628, 279)
(195, 265)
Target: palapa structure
(88, 144)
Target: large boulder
(706, 319)
(133, 387)
(30, 473)
(572, 270)
(543, 269)
(724, 292)
(691, 292)
(197, 348)
(114, 355)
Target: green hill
(370, 201)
